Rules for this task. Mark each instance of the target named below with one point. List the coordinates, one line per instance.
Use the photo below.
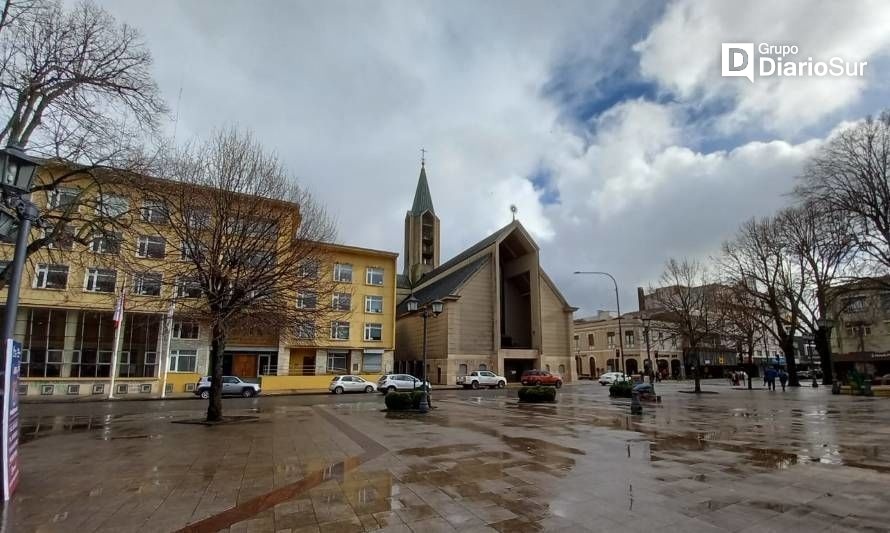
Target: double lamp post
(433, 309)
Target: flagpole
(118, 326)
(166, 362)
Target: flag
(119, 310)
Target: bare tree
(850, 177)
(744, 320)
(759, 263)
(688, 306)
(252, 244)
(75, 87)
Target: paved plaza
(737, 460)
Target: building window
(343, 272)
(629, 338)
(462, 369)
(307, 300)
(304, 329)
(340, 330)
(188, 288)
(855, 331)
(373, 304)
(854, 304)
(106, 243)
(198, 219)
(561, 369)
(63, 237)
(590, 340)
(191, 251)
(112, 205)
(309, 269)
(374, 276)
(372, 362)
(154, 211)
(185, 330)
(337, 362)
(151, 246)
(183, 360)
(610, 339)
(577, 343)
(373, 332)
(147, 284)
(64, 198)
(100, 280)
(342, 301)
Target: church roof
(423, 200)
(468, 253)
(446, 286)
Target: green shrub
(416, 397)
(621, 389)
(537, 394)
(398, 401)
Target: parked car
(804, 374)
(231, 386)
(341, 384)
(608, 378)
(482, 378)
(399, 382)
(541, 377)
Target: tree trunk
(696, 372)
(823, 346)
(788, 349)
(217, 347)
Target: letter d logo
(737, 60)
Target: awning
(373, 352)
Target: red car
(541, 377)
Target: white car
(341, 384)
(611, 377)
(399, 382)
(482, 378)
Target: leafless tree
(688, 307)
(75, 88)
(760, 263)
(850, 177)
(744, 319)
(252, 243)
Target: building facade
(69, 292)
(501, 310)
(860, 338)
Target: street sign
(11, 418)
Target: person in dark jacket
(770, 378)
(783, 379)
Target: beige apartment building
(860, 338)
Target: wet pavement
(738, 460)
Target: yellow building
(68, 294)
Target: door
(230, 385)
(488, 378)
(244, 366)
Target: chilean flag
(119, 310)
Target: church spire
(423, 200)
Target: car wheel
(205, 394)
(390, 389)
(247, 392)
(369, 389)
(338, 390)
(502, 384)
(475, 385)
(558, 384)
(536, 384)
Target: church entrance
(513, 368)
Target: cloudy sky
(607, 123)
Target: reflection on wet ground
(734, 461)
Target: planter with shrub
(621, 389)
(403, 401)
(537, 394)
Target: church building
(502, 312)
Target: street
(731, 461)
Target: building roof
(445, 287)
(423, 200)
(361, 250)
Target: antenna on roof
(513, 211)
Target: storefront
(871, 364)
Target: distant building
(860, 338)
(502, 312)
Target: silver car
(399, 382)
(341, 384)
(231, 386)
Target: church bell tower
(421, 231)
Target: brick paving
(734, 461)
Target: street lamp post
(823, 345)
(618, 306)
(17, 173)
(646, 322)
(433, 309)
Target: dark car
(540, 377)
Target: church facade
(502, 312)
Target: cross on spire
(422, 156)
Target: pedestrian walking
(783, 379)
(770, 378)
